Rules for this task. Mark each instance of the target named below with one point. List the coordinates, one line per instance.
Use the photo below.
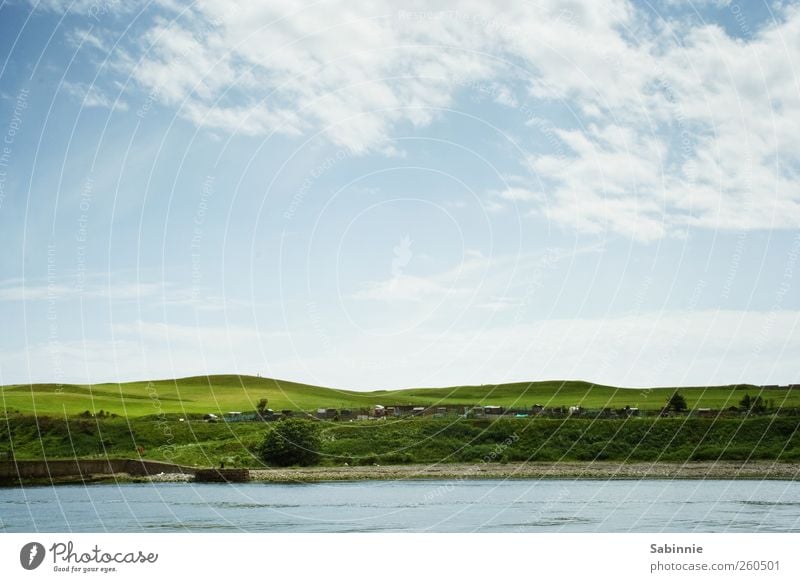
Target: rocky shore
(756, 470)
(753, 470)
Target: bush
(292, 441)
(371, 459)
(753, 405)
(397, 459)
(677, 402)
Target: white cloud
(87, 37)
(495, 304)
(706, 135)
(517, 194)
(613, 182)
(505, 96)
(493, 283)
(149, 294)
(61, 292)
(94, 9)
(353, 73)
(675, 124)
(405, 288)
(93, 96)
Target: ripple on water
(540, 523)
(194, 525)
(242, 505)
(771, 503)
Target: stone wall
(11, 470)
(222, 475)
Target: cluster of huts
(379, 412)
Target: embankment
(66, 470)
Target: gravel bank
(757, 470)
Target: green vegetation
(517, 440)
(752, 405)
(292, 441)
(221, 394)
(677, 403)
(164, 420)
(413, 440)
(167, 439)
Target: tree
(261, 407)
(677, 403)
(292, 441)
(752, 405)
(745, 402)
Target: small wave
(551, 522)
(178, 526)
(771, 503)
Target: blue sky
(358, 196)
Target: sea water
(410, 506)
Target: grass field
(414, 440)
(224, 393)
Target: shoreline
(568, 470)
(601, 470)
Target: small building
(475, 412)
(493, 410)
(556, 411)
(403, 409)
(240, 417)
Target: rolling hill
(223, 393)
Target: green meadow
(224, 393)
(194, 442)
(163, 420)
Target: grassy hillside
(415, 440)
(223, 393)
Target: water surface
(411, 506)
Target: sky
(355, 195)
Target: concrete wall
(222, 475)
(81, 467)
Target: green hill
(224, 393)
